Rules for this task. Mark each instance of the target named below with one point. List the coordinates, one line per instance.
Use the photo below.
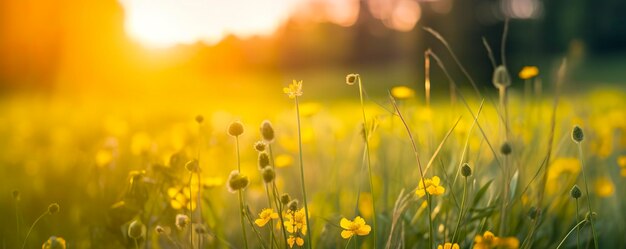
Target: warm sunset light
(164, 23)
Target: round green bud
(466, 170)
(533, 213)
(263, 160)
(506, 149)
(53, 208)
(268, 174)
(575, 192)
(136, 230)
(237, 181)
(589, 216)
(285, 199)
(501, 77)
(235, 129)
(577, 134)
(267, 131)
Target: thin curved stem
(31, 228)
(306, 206)
(458, 223)
(570, 231)
(243, 223)
(577, 229)
(369, 162)
(136, 244)
(582, 164)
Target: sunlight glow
(165, 23)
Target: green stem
(31, 228)
(577, 229)
(369, 163)
(237, 149)
(593, 229)
(348, 243)
(306, 206)
(570, 231)
(458, 223)
(191, 210)
(243, 223)
(136, 244)
(269, 200)
(17, 220)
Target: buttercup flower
(489, 241)
(294, 240)
(296, 221)
(54, 242)
(265, 216)
(357, 226)
(448, 245)
(528, 72)
(294, 89)
(431, 185)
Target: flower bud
(285, 199)
(506, 149)
(235, 129)
(193, 166)
(589, 216)
(159, 230)
(53, 208)
(199, 119)
(466, 170)
(575, 192)
(16, 195)
(182, 221)
(136, 230)
(237, 181)
(577, 134)
(263, 161)
(352, 78)
(267, 131)
(533, 213)
(501, 77)
(54, 242)
(293, 205)
(268, 174)
(259, 146)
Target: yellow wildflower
(604, 187)
(448, 245)
(351, 228)
(294, 240)
(528, 72)
(621, 161)
(294, 89)
(265, 216)
(283, 160)
(402, 92)
(489, 241)
(296, 221)
(432, 185)
(104, 157)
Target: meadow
(523, 163)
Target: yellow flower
(104, 157)
(294, 240)
(489, 241)
(448, 246)
(294, 89)
(296, 221)
(54, 243)
(604, 187)
(402, 92)
(528, 72)
(351, 228)
(431, 185)
(265, 216)
(283, 160)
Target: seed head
(575, 192)
(267, 131)
(259, 146)
(136, 229)
(235, 129)
(53, 208)
(285, 199)
(268, 174)
(293, 205)
(352, 78)
(506, 148)
(199, 119)
(263, 161)
(159, 230)
(466, 170)
(501, 77)
(193, 166)
(577, 134)
(237, 181)
(199, 228)
(182, 221)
